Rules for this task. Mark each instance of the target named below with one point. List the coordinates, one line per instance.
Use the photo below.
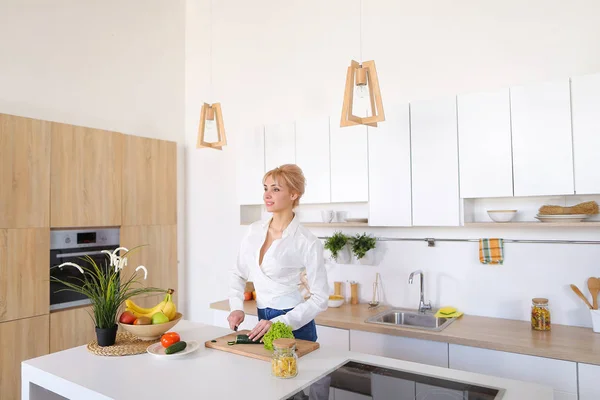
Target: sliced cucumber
(243, 339)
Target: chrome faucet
(422, 305)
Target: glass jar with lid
(284, 362)
(540, 314)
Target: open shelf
(531, 224)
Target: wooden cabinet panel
(485, 149)
(542, 140)
(558, 374)
(250, 166)
(280, 145)
(20, 340)
(24, 172)
(403, 348)
(434, 144)
(149, 181)
(389, 171)
(312, 155)
(24, 273)
(85, 177)
(349, 163)
(159, 254)
(71, 328)
(585, 99)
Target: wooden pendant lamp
(210, 112)
(361, 75)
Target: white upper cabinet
(542, 141)
(280, 145)
(312, 155)
(251, 166)
(484, 138)
(349, 163)
(434, 144)
(389, 170)
(585, 92)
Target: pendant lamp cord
(360, 30)
(210, 48)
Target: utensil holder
(353, 293)
(337, 288)
(595, 320)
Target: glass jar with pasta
(540, 314)
(284, 363)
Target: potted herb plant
(107, 289)
(337, 245)
(362, 246)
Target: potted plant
(362, 246)
(337, 245)
(107, 289)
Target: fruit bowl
(152, 331)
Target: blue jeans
(307, 332)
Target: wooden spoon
(594, 288)
(581, 295)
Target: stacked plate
(562, 217)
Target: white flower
(71, 264)
(145, 270)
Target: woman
(273, 255)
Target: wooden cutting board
(257, 351)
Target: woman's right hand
(235, 319)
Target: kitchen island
(212, 374)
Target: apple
(142, 321)
(159, 318)
(247, 296)
(127, 318)
(254, 295)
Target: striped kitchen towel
(491, 251)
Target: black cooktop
(381, 383)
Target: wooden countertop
(563, 342)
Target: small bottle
(284, 362)
(540, 314)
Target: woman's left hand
(260, 329)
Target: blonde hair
(293, 177)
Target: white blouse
(277, 281)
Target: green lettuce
(277, 331)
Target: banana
(166, 306)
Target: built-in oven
(72, 245)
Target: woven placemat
(126, 344)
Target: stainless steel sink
(410, 319)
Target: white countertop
(213, 374)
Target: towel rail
(431, 241)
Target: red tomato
(169, 338)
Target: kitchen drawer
(333, 338)
(558, 374)
(409, 349)
(588, 381)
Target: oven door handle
(82, 253)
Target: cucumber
(176, 347)
(243, 339)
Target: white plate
(158, 350)
(563, 216)
(572, 218)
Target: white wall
(277, 61)
(110, 65)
